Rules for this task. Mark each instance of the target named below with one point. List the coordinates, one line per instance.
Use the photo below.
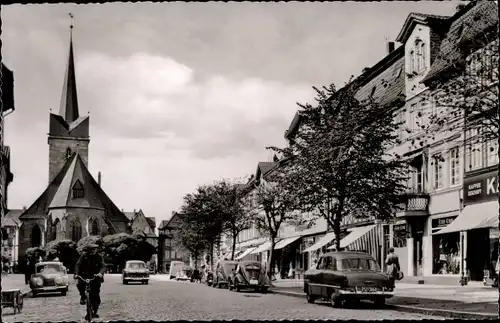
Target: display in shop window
(446, 249)
(400, 234)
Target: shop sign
(481, 188)
(442, 222)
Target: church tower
(69, 132)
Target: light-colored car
(135, 271)
(49, 277)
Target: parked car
(249, 275)
(344, 276)
(223, 271)
(49, 277)
(175, 268)
(210, 278)
(135, 271)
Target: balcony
(413, 205)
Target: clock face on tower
(67, 156)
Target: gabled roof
(263, 168)
(466, 26)
(151, 221)
(130, 215)
(59, 194)
(12, 218)
(420, 18)
(169, 223)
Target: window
(415, 117)
(78, 190)
(58, 229)
(418, 185)
(419, 54)
(492, 152)
(400, 234)
(454, 166)
(474, 155)
(76, 230)
(446, 254)
(412, 61)
(438, 171)
(400, 122)
(94, 227)
(422, 56)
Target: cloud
(153, 98)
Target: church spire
(69, 99)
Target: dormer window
(78, 190)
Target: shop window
(446, 254)
(400, 234)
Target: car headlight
(59, 281)
(38, 281)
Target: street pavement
(170, 300)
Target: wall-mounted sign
(443, 222)
(400, 227)
(480, 188)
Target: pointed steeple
(69, 99)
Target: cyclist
(90, 264)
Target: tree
(121, 247)
(191, 237)
(277, 202)
(88, 240)
(338, 164)
(65, 250)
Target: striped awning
(244, 253)
(263, 247)
(285, 242)
(326, 239)
(364, 239)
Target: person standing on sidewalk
(393, 268)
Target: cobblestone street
(171, 300)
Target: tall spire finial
(69, 100)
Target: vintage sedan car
(344, 276)
(249, 275)
(49, 277)
(223, 271)
(135, 271)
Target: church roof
(11, 219)
(59, 193)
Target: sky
(181, 94)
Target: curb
(414, 309)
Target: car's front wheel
(336, 301)
(310, 299)
(34, 293)
(379, 302)
(63, 292)
(124, 282)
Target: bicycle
(87, 296)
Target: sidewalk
(471, 301)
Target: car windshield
(358, 264)
(49, 268)
(230, 267)
(136, 265)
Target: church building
(73, 205)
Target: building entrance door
(478, 253)
(417, 233)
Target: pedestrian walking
(393, 268)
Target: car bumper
(49, 289)
(364, 295)
(136, 278)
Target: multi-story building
(464, 242)
(168, 250)
(144, 226)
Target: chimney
(99, 178)
(390, 47)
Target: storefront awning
(285, 242)
(354, 235)
(474, 216)
(244, 253)
(263, 247)
(327, 238)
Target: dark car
(135, 271)
(223, 272)
(344, 276)
(249, 275)
(49, 277)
